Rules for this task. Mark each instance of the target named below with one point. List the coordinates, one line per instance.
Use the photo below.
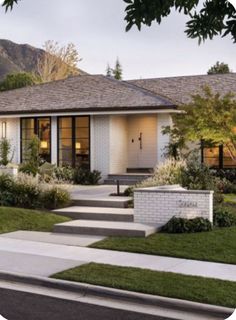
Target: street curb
(93, 290)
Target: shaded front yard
(13, 219)
(166, 284)
(218, 245)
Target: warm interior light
(78, 145)
(43, 144)
(4, 129)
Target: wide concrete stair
(107, 202)
(105, 228)
(97, 213)
(126, 178)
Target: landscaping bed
(204, 290)
(13, 219)
(218, 245)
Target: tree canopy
(18, 80)
(215, 17)
(208, 117)
(219, 67)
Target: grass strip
(13, 219)
(198, 289)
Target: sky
(97, 28)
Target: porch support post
(54, 146)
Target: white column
(54, 140)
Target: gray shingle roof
(180, 89)
(83, 93)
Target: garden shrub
(25, 191)
(167, 173)
(5, 150)
(86, 177)
(228, 174)
(31, 165)
(64, 174)
(54, 197)
(223, 218)
(181, 225)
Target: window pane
(65, 122)
(27, 134)
(228, 160)
(82, 133)
(65, 133)
(82, 122)
(28, 123)
(211, 156)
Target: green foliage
(64, 174)
(117, 71)
(180, 225)
(214, 18)
(108, 71)
(86, 177)
(25, 191)
(5, 150)
(208, 117)
(219, 68)
(33, 160)
(55, 197)
(224, 218)
(18, 80)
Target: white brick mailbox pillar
(157, 205)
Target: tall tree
(215, 17)
(58, 62)
(208, 117)
(219, 67)
(108, 70)
(18, 80)
(117, 71)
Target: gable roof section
(81, 94)
(180, 89)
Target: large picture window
(74, 141)
(41, 127)
(218, 157)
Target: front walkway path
(69, 256)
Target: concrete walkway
(71, 255)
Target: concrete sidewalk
(70, 255)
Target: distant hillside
(19, 58)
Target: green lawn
(218, 245)
(172, 285)
(13, 219)
(230, 198)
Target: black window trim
(74, 137)
(35, 132)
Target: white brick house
(105, 124)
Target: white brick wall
(54, 140)
(163, 120)
(13, 134)
(100, 144)
(118, 144)
(159, 206)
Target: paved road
(70, 255)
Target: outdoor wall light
(4, 129)
(43, 144)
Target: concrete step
(107, 202)
(93, 213)
(127, 178)
(105, 228)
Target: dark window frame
(36, 132)
(73, 138)
(221, 156)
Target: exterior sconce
(4, 129)
(43, 144)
